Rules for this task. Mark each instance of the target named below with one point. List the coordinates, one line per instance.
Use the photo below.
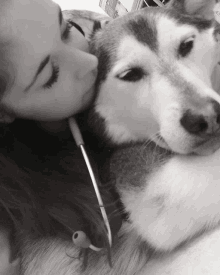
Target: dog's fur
(164, 89)
(146, 85)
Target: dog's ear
(201, 8)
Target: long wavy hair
(45, 188)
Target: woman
(47, 75)
(46, 70)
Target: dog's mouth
(208, 146)
(161, 142)
(203, 148)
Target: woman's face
(54, 73)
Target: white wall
(92, 5)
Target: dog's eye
(186, 47)
(131, 75)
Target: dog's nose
(203, 122)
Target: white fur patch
(189, 201)
(201, 258)
(126, 106)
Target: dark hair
(6, 68)
(45, 189)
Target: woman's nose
(84, 63)
(89, 63)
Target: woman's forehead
(30, 28)
(19, 17)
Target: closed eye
(53, 78)
(132, 75)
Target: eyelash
(53, 79)
(55, 69)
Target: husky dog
(161, 64)
(154, 100)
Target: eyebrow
(77, 27)
(39, 70)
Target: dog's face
(154, 77)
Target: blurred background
(113, 8)
(92, 5)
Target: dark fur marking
(103, 66)
(200, 23)
(97, 26)
(133, 163)
(144, 31)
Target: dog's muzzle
(205, 122)
(204, 125)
